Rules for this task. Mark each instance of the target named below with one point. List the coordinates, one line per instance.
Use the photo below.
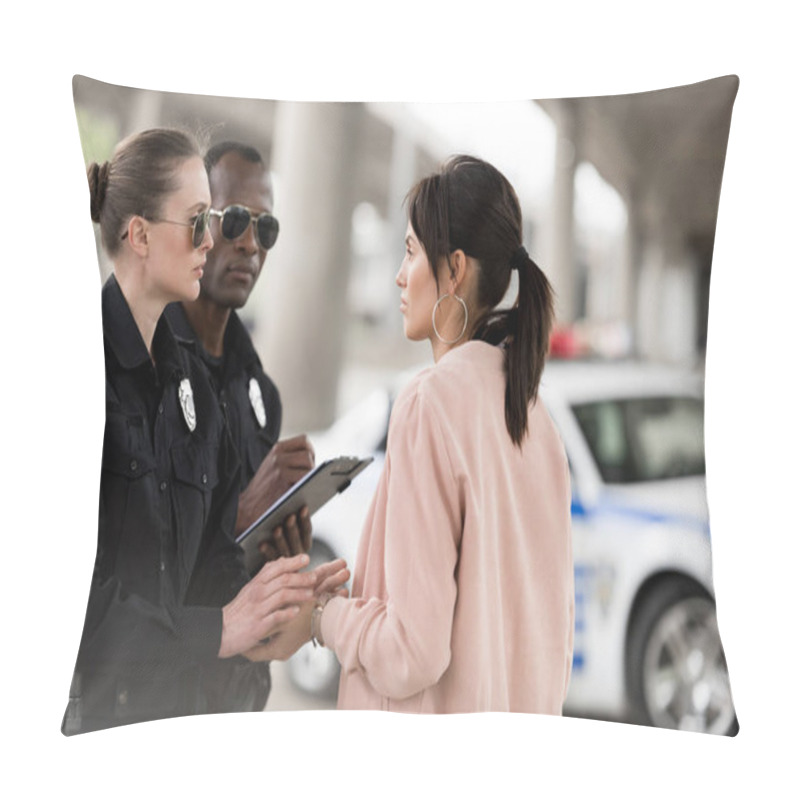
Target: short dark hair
(217, 151)
(136, 180)
(469, 205)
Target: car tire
(676, 673)
(315, 670)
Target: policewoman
(169, 593)
(244, 230)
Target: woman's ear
(138, 232)
(458, 271)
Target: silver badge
(257, 401)
(187, 403)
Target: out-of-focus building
(619, 193)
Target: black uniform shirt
(166, 560)
(232, 376)
(237, 684)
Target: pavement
(284, 697)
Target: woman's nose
(208, 240)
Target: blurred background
(619, 196)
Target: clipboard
(313, 490)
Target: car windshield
(644, 439)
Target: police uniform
(166, 560)
(252, 406)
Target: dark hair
(469, 205)
(215, 153)
(136, 180)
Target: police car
(647, 648)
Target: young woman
(169, 593)
(462, 598)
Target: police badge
(257, 401)
(186, 399)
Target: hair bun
(98, 183)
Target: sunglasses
(235, 219)
(198, 224)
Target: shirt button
(162, 566)
(134, 465)
(123, 697)
(160, 408)
(205, 478)
(163, 486)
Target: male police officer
(243, 229)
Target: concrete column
(301, 319)
(667, 302)
(648, 291)
(145, 111)
(562, 221)
(678, 312)
(401, 178)
(631, 261)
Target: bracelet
(316, 619)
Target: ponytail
(471, 206)
(527, 347)
(525, 328)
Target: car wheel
(676, 671)
(315, 670)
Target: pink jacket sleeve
(401, 644)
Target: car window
(644, 439)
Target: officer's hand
(329, 578)
(270, 600)
(289, 539)
(288, 640)
(284, 465)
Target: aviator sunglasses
(235, 219)
(198, 224)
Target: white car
(647, 648)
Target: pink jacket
(462, 593)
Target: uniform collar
(123, 338)
(239, 344)
(238, 352)
(180, 326)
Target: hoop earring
(463, 327)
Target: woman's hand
(331, 577)
(269, 601)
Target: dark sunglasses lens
(235, 220)
(267, 227)
(199, 230)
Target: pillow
(621, 196)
